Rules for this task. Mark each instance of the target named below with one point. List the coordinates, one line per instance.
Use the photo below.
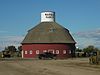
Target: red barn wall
(62, 50)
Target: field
(76, 66)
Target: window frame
(45, 51)
(57, 51)
(25, 52)
(37, 52)
(64, 52)
(30, 52)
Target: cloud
(10, 40)
(86, 38)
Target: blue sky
(81, 17)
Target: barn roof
(48, 32)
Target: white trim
(22, 54)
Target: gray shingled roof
(48, 32)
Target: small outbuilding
(48, 36)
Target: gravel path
(49, 67)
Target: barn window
(69, 51)
(51, 51)
(57, 51)
(44, 50)
(30, 51)
(64, 51)
(37, 51)
(26, 52)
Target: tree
(20, 48)
(96, 49)
(11, 48)
(89, 49)
(78, 50)
(19, 51)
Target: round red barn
(48, 36)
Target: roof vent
(48, 16)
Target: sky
(81, 17)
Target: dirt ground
(76, 66)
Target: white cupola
(48, 16)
